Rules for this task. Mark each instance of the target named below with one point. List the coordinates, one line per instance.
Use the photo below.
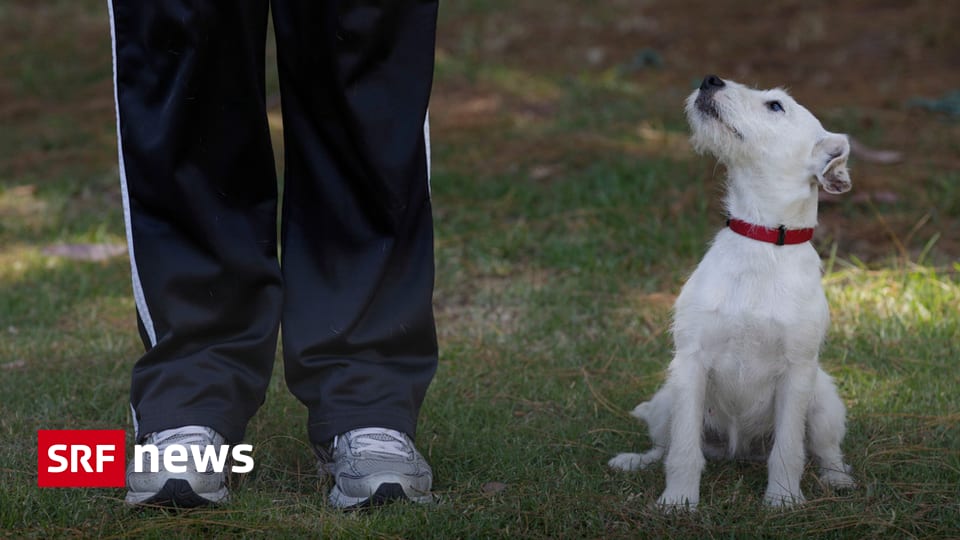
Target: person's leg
(199, 195)
(359, 338)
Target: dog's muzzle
(711, 83)
(705, 102)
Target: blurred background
(886, 72)
(546, 87)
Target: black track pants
(353, 289)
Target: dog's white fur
(749, 322)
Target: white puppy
(749, 322)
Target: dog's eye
(775, 106)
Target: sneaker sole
(386, 493)
(177, 493)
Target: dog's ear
(830, 160)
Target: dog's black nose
(712, 82)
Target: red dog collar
(779, 236)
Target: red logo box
(81, 458)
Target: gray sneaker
(188, 489)
(374, 466)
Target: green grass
(561, 238)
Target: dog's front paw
(781, 498)
(678, 502)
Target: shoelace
(377, 440)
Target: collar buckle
(779, 236)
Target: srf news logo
(97, 458)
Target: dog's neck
(770, 202)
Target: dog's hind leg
(825, 430)
(628, 461)
(656, 414)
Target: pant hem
(231, 430)
(323, 428)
